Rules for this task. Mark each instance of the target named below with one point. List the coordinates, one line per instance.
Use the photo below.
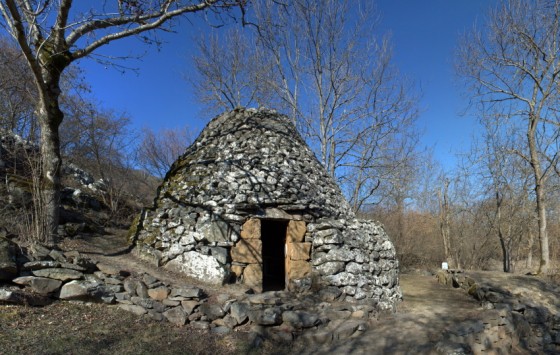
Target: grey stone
(39, 284)
(176, 316)
(17, 296)
(186, 292)
(133, 309)
(108, 269)
(329, 294)
(221, 254)
(57, 255)
(348, 328)
(8, 267)
(155, 315)
(130, 286)
(149, 280)
(142, 302)
(300, 319)
(202, 267)
(59, 274)
(40, 264)
(211, 311)
(74, 290)
(240, 311)
(142, 290)
(220, 330)
(189, 306)
(330, 267)
(202, 325)
(73, 266)
(267, 316)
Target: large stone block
(247, 251)
(296, 231)
(39, 284)
(253, 276)
(299, 269)
(251, 229)
(202, 267)
(59, 274)
(299, 251)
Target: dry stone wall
(249, 167)
(512, 323)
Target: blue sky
(424, 36)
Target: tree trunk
(47, 211)
(445, 228)
(505, 248)
(540, 195)
(530, 251)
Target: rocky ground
(425, 319)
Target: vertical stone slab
(296, 231)
(299, 269)
(253, 277)
(299, 251)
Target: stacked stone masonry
(42, 276)
(248, 175)
(511, 323)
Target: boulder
(74, 290)
(211, 311)
(176, 316)
(39, 284)
(203, 267)
(239, 311)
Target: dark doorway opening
(273, 237)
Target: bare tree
(229, 72)
(513, 68)
(53, 34)
(328, 70)
(158, 150)
(17, 93)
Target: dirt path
(428, 310)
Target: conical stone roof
(248, 160)
(249, 203)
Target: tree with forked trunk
(512, 67)
(53, 34)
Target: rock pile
(46, 275)
(510, 322)
(250, 179)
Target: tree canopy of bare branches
(54, 34)
(512, 68)
(322, 63)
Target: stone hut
(249, 203)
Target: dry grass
(78, 328)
